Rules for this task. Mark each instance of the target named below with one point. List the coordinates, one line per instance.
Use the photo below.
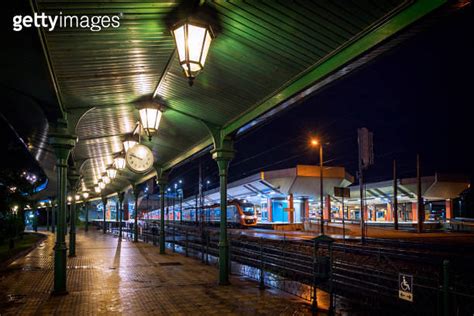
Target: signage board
(405, 287)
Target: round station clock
(139, 158)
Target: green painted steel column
(120, 196)
(48, 208)
(104, 202)
(86, 227)
(136, 193)
(73, 181)
(72, 230)
(162, 180)
(62, 143)
(117, 208)
(223, 155)
(54, 209)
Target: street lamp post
(314, 143)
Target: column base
(60, 268)
(224, 263)
(59, 293)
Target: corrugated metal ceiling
(263, 46)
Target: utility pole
(366, 158)
(395, 195)
(201, 196)
(361, 192)
(343, 220)
(321, 185)
(420, 208)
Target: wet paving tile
(112, 278)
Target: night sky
(416, 98)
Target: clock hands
(136, 157)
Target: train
(239, 214)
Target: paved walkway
(108, 277)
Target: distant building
(292, 195)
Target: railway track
(367, 274)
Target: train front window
(248, 209)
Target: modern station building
(292, 195)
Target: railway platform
(108, 277)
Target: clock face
(139, 158)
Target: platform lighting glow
(105, 179)
(101, 185)
(314, 142)
(85, 195)
(69, 198)
(150, 117)
(129, 141)
(111, 172)
(119, 162)
(77, 197)
(97, 189)
(180, 181)
(192, 42)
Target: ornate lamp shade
(105, 178)
(111, 172)
(150, 117)
(129, 141)
(119, 162)
(192, 43)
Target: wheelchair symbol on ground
(405, 287)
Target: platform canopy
(302, 181)
(268, 55)
(433, 188)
